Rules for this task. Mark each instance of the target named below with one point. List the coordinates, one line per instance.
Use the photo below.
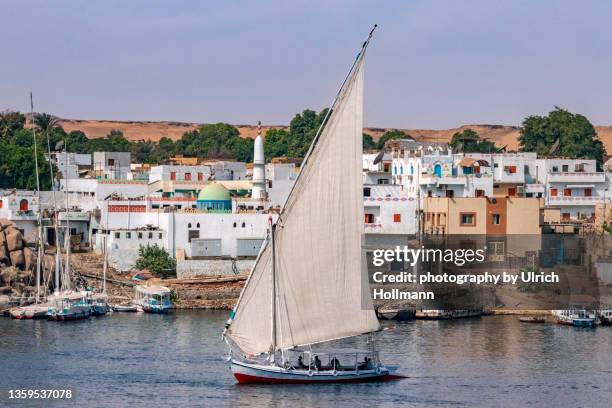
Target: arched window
(198, 225)
(234, 225)
(23, 205)
(243, 224)
(189, 225)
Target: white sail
(320, 266)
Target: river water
(178, 360)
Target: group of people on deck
(334, 364)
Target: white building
(112, 165)
(168, 172)
(573, 185)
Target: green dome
(214, 192)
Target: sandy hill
(149, 130)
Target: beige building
(482, 216)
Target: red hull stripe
(250, 379)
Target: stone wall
(211, 267)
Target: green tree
(392, 135)
(468, 141)
(561, 133)
(368, 142)
(154, 258)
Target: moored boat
(605, 317)
(153, 298)
(70, 306)
(99, 304)
(125, 308)
(574, 317)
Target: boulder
(4, 301)
(9, 275)
(14, 239)
(30, 259)
(4, 223)
(4, 255)
(2, 238)
(5, 290)
(17, 258)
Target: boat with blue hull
(70, 306)
(575, 317)
(153, 299)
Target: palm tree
(46, 122)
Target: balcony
(534, 188)
(73, 216)
(430, 179)
(562, 201)
(579, 177)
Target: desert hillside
(500, 134)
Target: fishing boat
(605, 317)
(575, 317)
(532, 319)
(306, 285)
(400, 314)
(99, 304)
(70, 306)
(153, 298)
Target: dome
(214, 192)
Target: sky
(432, 64)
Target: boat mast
(55, 227)
(39, 252)
(66, 275)
(273, 345)
(105, 266)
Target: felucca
(306, 285)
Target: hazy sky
(432, 64)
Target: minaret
(259, 168)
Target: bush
(154, 258)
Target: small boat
(99, 304)
(442, 314)
(70, 306)
(305, 287)
(576, 318)
(125, 308)
(396, 313)
(153, 299)
(532, 319)
(605, 317)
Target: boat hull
(247, 373)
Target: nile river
(178, 360)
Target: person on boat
(366, 365)
(301, 363)
(317, 363)
(335, 364)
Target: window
(567, 192)
(480, 193)
(150, 235)
(555, 169)
(140, 235)
(369, 218)
(173, 175)
(565, 216)
(128, 235)
(495, 219)
(467, 170)
(234, 225)
(111, 162)
(511, 191)
(189, 225)
(553, 192)
(383, 181)
(193, 234)
(526, 169)
(450, 193)
(1, 203)
(187, 176)
(244, 225)
(467, 219)
(397, 217)
(565, 168)
(23, 205)
(117, 235)
(579, 168)
(588, 192)
(366, 192)
(200, 177)
(198, 225)
(159, 235)
(429, 193)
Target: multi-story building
(573, 185)
(112, 165)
